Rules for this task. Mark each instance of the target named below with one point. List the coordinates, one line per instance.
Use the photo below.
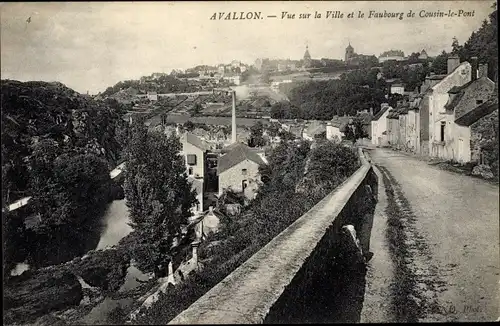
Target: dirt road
(436, 245)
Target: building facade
(238, 170)
(439, 125)
(194, 150)
(379, 126)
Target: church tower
(307, 58)
(349, 53)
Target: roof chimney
(233, 119)
(482, 70)
(453, 62)
(474, 68)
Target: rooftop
(478, 112)
(195, 141)
(381, 113)
(457, 92)
(238, 153)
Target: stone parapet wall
(304, 272)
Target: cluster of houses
(446, 119)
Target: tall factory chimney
(233, 119)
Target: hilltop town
(225, 193)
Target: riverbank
(106, 271)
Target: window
(479, 102)
(190, 171)
(443, 125)
(244, 171)
(191, 159)
(244, 184)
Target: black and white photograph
(249, 162)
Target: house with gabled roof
(465, 88)
(238, 170)
(336, 127)
(473, 132)
(194, 151)
(379, 126)
(313, 129)
(464, 110)
(439, 128)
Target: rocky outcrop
(105, 269)
(32, 111)
(36, 293)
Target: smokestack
(233, 119)
(474, 68)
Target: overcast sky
(90, 46)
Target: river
(116, 227)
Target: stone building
(458, 75)
(474, 134)
(349, 53)
(238, 169)
(463, 110)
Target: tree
(189, 125)
(70, 192)
(257, 135)
(412, 58)
(440, 64)
(456, 48)
(158, 193)
(354, 130)
(483, 44)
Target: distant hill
(160, 84)
(33, 111)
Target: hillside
(36, 111)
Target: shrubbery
(329, 165)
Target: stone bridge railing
(310, 272)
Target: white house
(379, 126)
(458, 74)
(335, 128)
(398, 88)
(193, 150)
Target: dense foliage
(75, 123)
(265, 218)
(257, 135)
(58, 147)
(482, 44)
(321, 100)
(158, 193)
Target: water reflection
(100, 313)
(116, 226)
(133, 279)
